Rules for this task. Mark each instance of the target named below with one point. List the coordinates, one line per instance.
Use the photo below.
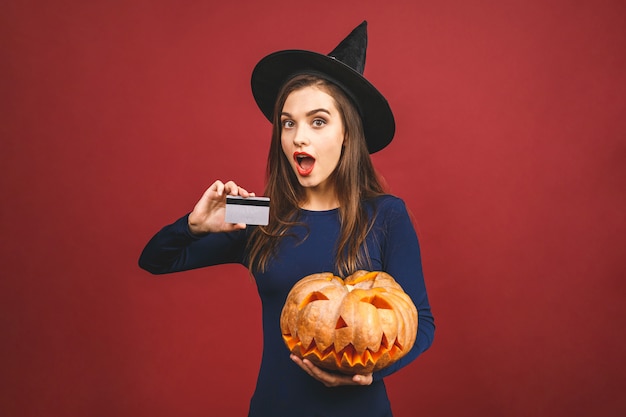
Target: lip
(302, 171)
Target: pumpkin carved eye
(377, 302)
(314, 296)
(357, 325)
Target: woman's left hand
(331, 379)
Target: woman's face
(312, 135)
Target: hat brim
(275, 69)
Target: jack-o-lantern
(355, 326)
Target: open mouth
(304, 163)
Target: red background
(510, 152)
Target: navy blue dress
(282, 387)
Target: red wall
(510, 152)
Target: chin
(307, 183)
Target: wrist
(194, 228)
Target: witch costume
(283, 389)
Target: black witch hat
(344, 67)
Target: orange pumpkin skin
(355, 326)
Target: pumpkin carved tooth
(357, 325)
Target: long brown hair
(354, 180)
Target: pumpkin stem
(365, 277)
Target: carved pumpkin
(355, 326)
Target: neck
(320, 200)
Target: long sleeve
(175, 249)
(402, 260)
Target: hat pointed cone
(352, 50)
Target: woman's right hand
(209, 213)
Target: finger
(363, 379)
(298, 361)
(331, 379)
(244, 193)
(314, 369)
(321, 376)
(217, 187)
(301, 364)
(328, 379)
(231, 188)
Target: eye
(319, 122)
(287, 123)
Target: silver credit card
(251, 210)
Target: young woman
(329, 213)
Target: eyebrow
(309, 113)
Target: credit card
(251, 210)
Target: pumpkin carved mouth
(357, 325)
(347, 359)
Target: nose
(300, 137)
